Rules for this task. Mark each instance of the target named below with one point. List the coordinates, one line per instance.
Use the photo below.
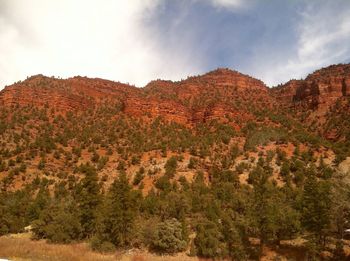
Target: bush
(102, 246)
(263, 136)
(138, 178)
(192, 163)
(169, 237)
(163, 183)
(41, 164)
(170, 167)
(208, 241)
(58, 223)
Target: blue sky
(136, 41)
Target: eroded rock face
(319, 91)
(153, 108)
(319, 100)
(219, 95)
(346, 86)
(285, 93)
(76, 93)
(224, 95)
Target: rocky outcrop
(318, 92)
(222, 95)
(76, 93)
(319, 100)
(40, 91)
(153, 108)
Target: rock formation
(222, 95)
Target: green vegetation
(76, 186)
(223, 214)
(169, 237)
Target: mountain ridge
(218, 94)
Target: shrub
(135, 160)
(138, 178)
(192, 163)
(102, 162)
(263, 136)
(58, 223)
(208, 241)
(95, 157)
(11, 163)
(170, 167)
(169, 237)
(42, 164)
(163, 183)
(101, 246)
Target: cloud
(107, 39)
(137, 41)
(323, 34)
(227, 3)
(233, 6)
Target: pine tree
(88, 198)
(170, 167)
(263, 209)
(13, 209)
(41, 201)
(233, 238)
(271, 213)
(116, 217)
(316, 206)
(209, 240)
(59, 222)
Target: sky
(136, 41)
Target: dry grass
(21, 248)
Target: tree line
(213, 220)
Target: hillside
(195, 150)
(72, 120)
(321, 102)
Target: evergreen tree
(59, 222)
(13, 209)
(271, 213)
(41, 201)
(209, 240)
(88, 198)
(170, 167)
(316, 206)
(117, 215)
(234, 238)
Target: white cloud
(116, 40)
(227, 3)
(323, 37)
(107, 39)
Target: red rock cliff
(220, 95)
(319, 91)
